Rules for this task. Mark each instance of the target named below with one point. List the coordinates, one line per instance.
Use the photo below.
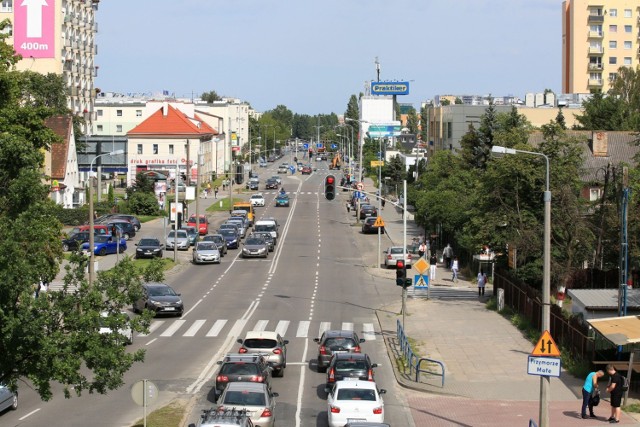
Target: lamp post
(545, 382)
(91, 224)
(251, 153)
(359, 164)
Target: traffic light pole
(404, 247)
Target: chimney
(600, 144)
(165, 109)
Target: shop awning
(619, 330)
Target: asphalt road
(314, 280)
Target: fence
(415, 362)
(527, 301)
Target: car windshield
(350, 365)
(181, 234)
(396, 251)
(148, 242)
(244, 398)
(264, 227)
(256, 197)
(161, 291)
(254, 241)
(190, 230)
(227, 232)
(356, 394)
(101, 239)
(206, 246)
(265, 236)
(239, 369)
(339, 342)
(202, 220)
(260, 343)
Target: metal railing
(413, 360)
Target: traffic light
(330, 187)
(401, 273)
(239, 174)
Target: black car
(127, 229)
(272, 184)
(131, 218)
(219, 240)
(149, 248)
(368, 210)
(367, 226)
(239, 367)
(334, 341)
(75, 241)
(349, 365)
(159, 298)
(267, 237)
(231, 236)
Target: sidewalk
(484, 355)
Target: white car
(355, 400)
(257, 199)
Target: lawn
(223, 205)
(167, 416)
(142, 263)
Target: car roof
(155, 284)
(350, 356)
(246, 386)
(241, 357)
(261, 334)
(369, 385)
(337, 333)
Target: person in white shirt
(454, 269)
(482, 281)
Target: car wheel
(14, 402)
(135, 309)
(279, 373)
(125, 236)
(102, 252)
(321, 369)
(122, 249)
(65, 247)
(160, 254)
(137, 227)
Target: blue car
(282, 200)
(105, 244)
(231, 236)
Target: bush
(141, 203)
(72, 217)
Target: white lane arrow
(34, 17)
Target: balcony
(595, 67)
(595, 82)
(595, 34)
(596, 50)
(595, 19)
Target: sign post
(545, 362)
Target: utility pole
(377, 69)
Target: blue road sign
(292, 169)
(305, 146)
(334, 146)
(421, 282)
(319, 145)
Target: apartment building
(57, 36)
(598, 37)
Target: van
(97, 229)
(245, 206)
(268, 225)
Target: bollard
(220, 203)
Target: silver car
(256, 398)
(8, 399)
(180, 238)
(269, 344)
(242, 225)
(393, 254)
(205, 252)
(255, 247)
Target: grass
(633, 407)
(147, 218)
(143, 263)
(167, 416)
(223, 205)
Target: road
(314, 280)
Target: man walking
(448, 254)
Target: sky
(311, 55)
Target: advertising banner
(34, 28)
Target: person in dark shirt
(615, 388)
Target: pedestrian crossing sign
(421, 282)
(379, 222)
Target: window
(594, 194)
(627, 45)
(138, 113)
(100, 113)
(118, 128)
(595, 29)
(613, 77)
(613, 60)
(613, 44)
(613, 12)
(6, 6)
(119, 113)
(627, 29)
(627, 13)
(627, 60)
(597, 77)
(99, 128)
(170, 148)
(139, 148)
(155, 148)
(613, 28)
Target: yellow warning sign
(379, 222)
(421, 266)
(546, 346)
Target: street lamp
(251, 153)
(545, 382)
(91, 224)
(360, 163)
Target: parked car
(267, 237)
(367, 226)
(367, 210)
(237, 367)
(131, 218)
(336, 341)
(257, 199)
(206, 252)
(257, 399)
(231, 236)
(203, 226)
(271, 345)
(74, 241)
(179, 238)
(105, 245)
(255, 247)
(159, 298)
(126, 229)
(219, 240)
(271, 184)
(393, 254)
(8, 399)
(282, 200)
(121, 324)
(149, 247)
(192, 234)
(348, 366)
(355, 400)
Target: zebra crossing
(264, 193)
(228, 327)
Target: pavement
(484, 355)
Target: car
(257, 199)
(269, 225)
(367, 210)
(126, 229)
(203, 227)
(106, 244)
(8, 399)
(283, 169)
(282, 200)
(255, 247)
(97, 229)
(253, 184)
(336, 341)
(268, 343)
(393, 254)
(271, 184)
(365, 424)
(240, 222)
(204, 252)
(268, 238)
(323, 157)
(179, 238)
(262, 164)
(256, 398)
(192, 234)
(223, 417)
(233, 226)
(350, 401)
(131, 218)
(121, 323)
(231, 236)
(149, 247)
(244, 206)
(219, 240)
(159, 298)
(236, 367)
(74, 241)
(306, 170)
(318, 159)
(349, 365)
(299, 166)
(278, 179)
(368, 228)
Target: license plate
(170, 308)
(356, 420)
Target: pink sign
(34, 28)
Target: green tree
(445, 102)
(353, 113)
(424, 124)
(142, 203)
(603, 112)
(412, 121)
(458, 101)
(560, 119)
(210, 96)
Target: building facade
(598, 37)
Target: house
(602, 303)
(64, 173)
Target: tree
(445, 102)
(412, 121)
(560, 119)
(458, 101)
(353, 113)
(424, 124)
(210, 96)
(603, 112)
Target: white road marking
(173, 328)
(194, 328)
(347, 326)
(154, 325)
(29, 414)
(237, 327)
(303, 329)
(216, 328)
(368, 333)
(261, 325)
(151, 342)
(282, 327)
(324, 326)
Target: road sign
(305, 146)
(546, 346)
(334, 146)
(421, 282)
(544, 366)
(385, 130)
(389, 88)
(379, 222)
(376, 163)
(144, 392)
(319, 145)
(421, 266)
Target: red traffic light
(399, 264)
(329, 180)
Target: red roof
(175, 122)
(62, 126)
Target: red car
(204, 224)
(306, 170)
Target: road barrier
(415, 362)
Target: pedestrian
(382, 203)
(422, 249)
(348, 207)
(589, 391)
(448, 253)
(215, 192)
(454, 270)
(616, 383)
(433, 264)
(208, 188)
(482, 281)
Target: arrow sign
(305, 146)
(546, 346)
(34, 17)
